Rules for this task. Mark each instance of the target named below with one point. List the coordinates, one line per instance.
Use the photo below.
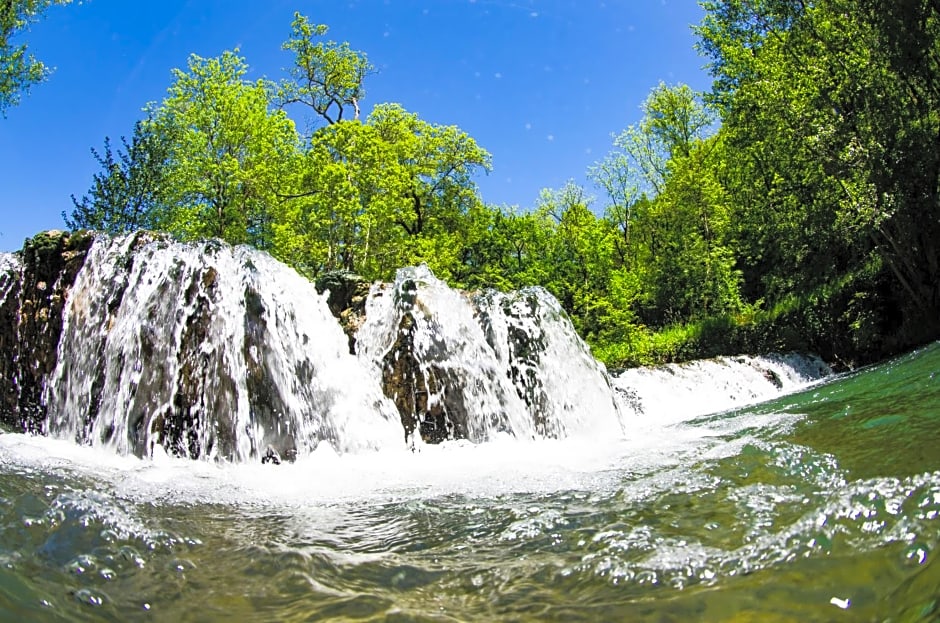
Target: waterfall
(478, 366)
(11, 268)
(676, 392)
(11, 276)
(208, 351)
(566, 391)
(142, 344)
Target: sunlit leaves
(326, 76)
(377, 195)
(829, 109)
(19, 70)
(230, 153)
(129, 191)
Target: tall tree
(666, 212)
(674, 120)
(830, 106)
(351, 194)
(19, 70)
(231, 155)
(440, 161)
(326, 76)
(377, 195)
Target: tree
(504, 248)
(19, 70)
(230, 159)
(673, 121)
(689, 271)
(666, 212)
(326, 76)
(351, 194)
(440, 162)
(378, 195)
(830, 108)
(128, 193)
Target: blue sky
(540, 84)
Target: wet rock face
(209, 351)
(31, 304)
(347, 294)
(427, 394)
(436, 367)
(412, 380)
(522, 346)
(265, 403)
(223, 353)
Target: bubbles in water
(91, 596)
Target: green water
(820, 506)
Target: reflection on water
(823, 505)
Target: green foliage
(128, 193)
(810, 219)
(381, 194)
(327, 76)
(666, 224)
(19, 70)
(230, 155)
(832, 167)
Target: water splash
(677, 392)
(424, 340)
(567, 392)
(475, 367)
(202, 350)
(207, 351)
(11, 268)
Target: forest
(794, 206)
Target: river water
(823, 505)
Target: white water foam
(173, 334)
(448, 338)
(515, 359)
(678, 392)
(208, 351)
(11, 267)
(570, 390)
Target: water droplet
(82, 564)
(916, 554)
(109, 536)
(91, 596)
(181, 565)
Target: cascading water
(674, 392)
(207, 351)
(566, 391)
(422, 338)
(475, 367)
(10, 273)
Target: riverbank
(804, 326)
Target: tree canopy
(794, 206)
